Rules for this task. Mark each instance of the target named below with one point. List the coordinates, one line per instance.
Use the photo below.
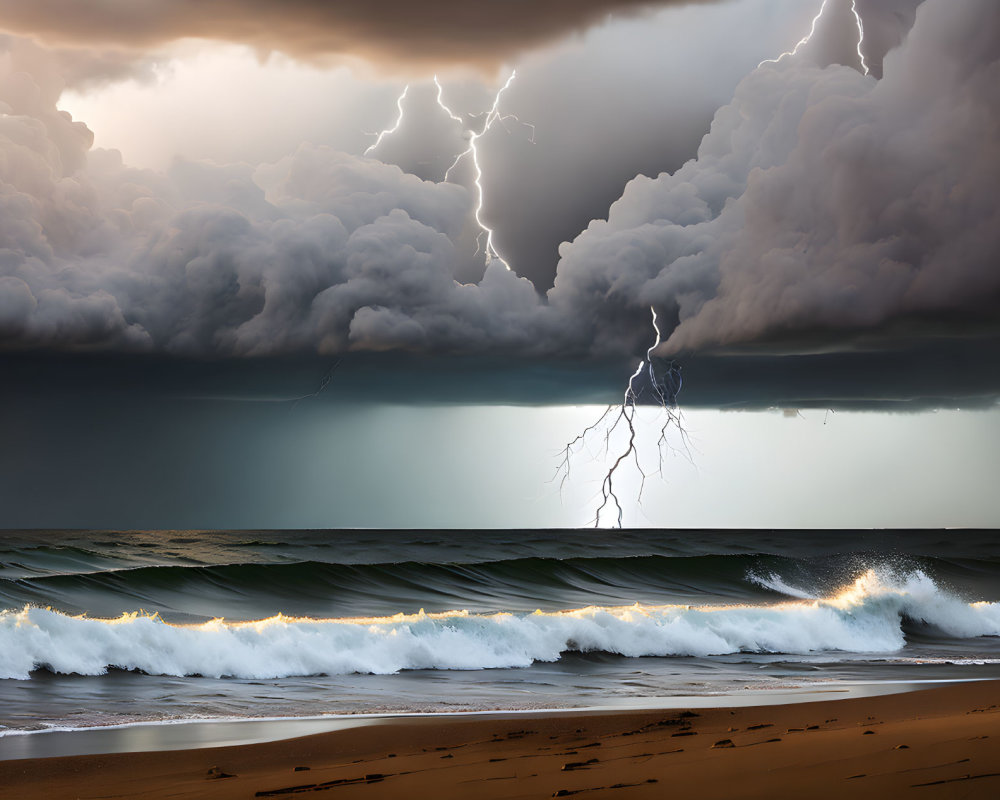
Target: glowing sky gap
(492, 117)
(394, 128)
(812, 30)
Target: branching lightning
(395, 127)
(491, 117)
(624, 414)
(669, 385)
(812, 30)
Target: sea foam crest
(865, 617)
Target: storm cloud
(320, 251)
(823, 205)
(826, 211)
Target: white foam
(866, 617)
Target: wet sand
(941, 743)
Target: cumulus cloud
(823, 204)
(321, 251)
(481, 34)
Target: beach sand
(938, 742)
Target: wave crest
(865, 617)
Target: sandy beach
(938, 742)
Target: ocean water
(119, 627)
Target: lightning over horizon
(666, 391)
(667, 388)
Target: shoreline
(209, 732)
(935, 739)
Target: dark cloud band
(438, 33)
(909, 376)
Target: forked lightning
(472, 151)
(491, 118)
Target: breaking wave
(872, 615)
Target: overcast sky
(806, 201)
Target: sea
(120, 628)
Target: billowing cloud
(481, 34)
(823, 205)
(337, 252)
(321, 251)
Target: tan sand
(935, 743)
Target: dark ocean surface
(102, 627)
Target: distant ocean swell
(75, 581)
(872, 615)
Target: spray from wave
(867, 616)
(776, 583)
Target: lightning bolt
(624, 414)
(861, 34)
(491, 118)
(630, 395)
(448, 111)
(394, 128)
(812, 30)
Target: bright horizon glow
(744, 470)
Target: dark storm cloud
(822, 202)
(440, 32)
